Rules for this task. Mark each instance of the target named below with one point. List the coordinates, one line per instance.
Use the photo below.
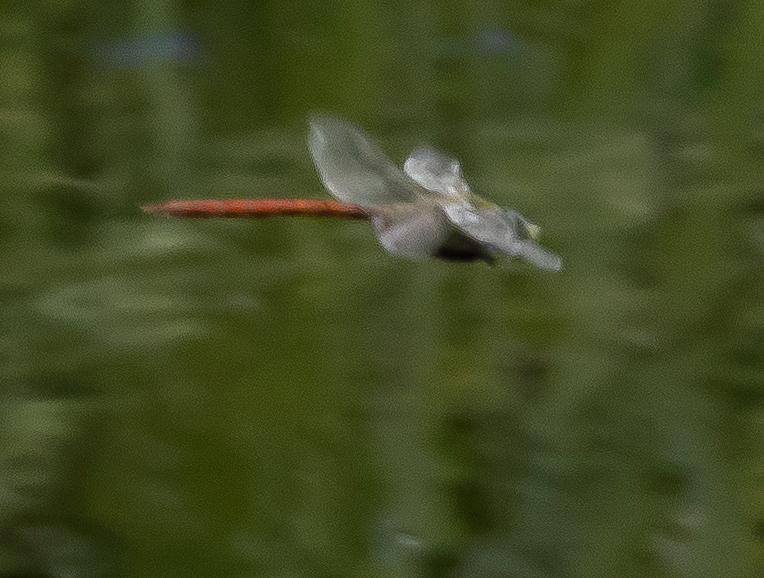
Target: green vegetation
(282, 398)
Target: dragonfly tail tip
(155, 209)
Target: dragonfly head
(534, 231)
(522, 227)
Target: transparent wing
(485, 225)
(436, 172)
(413, 231)
(534, 254)
(499, 229)
(353, 167)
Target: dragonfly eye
(522, 227)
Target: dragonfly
(426, 209)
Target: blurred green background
(283, 398)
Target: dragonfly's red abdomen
(232, 208)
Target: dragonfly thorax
(460, 247)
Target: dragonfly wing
(504, 231)
(535, 254)
(411, 230)
(485, 225)
(352, 166)
(436, 172)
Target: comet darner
(425, 210)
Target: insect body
(425, 210)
